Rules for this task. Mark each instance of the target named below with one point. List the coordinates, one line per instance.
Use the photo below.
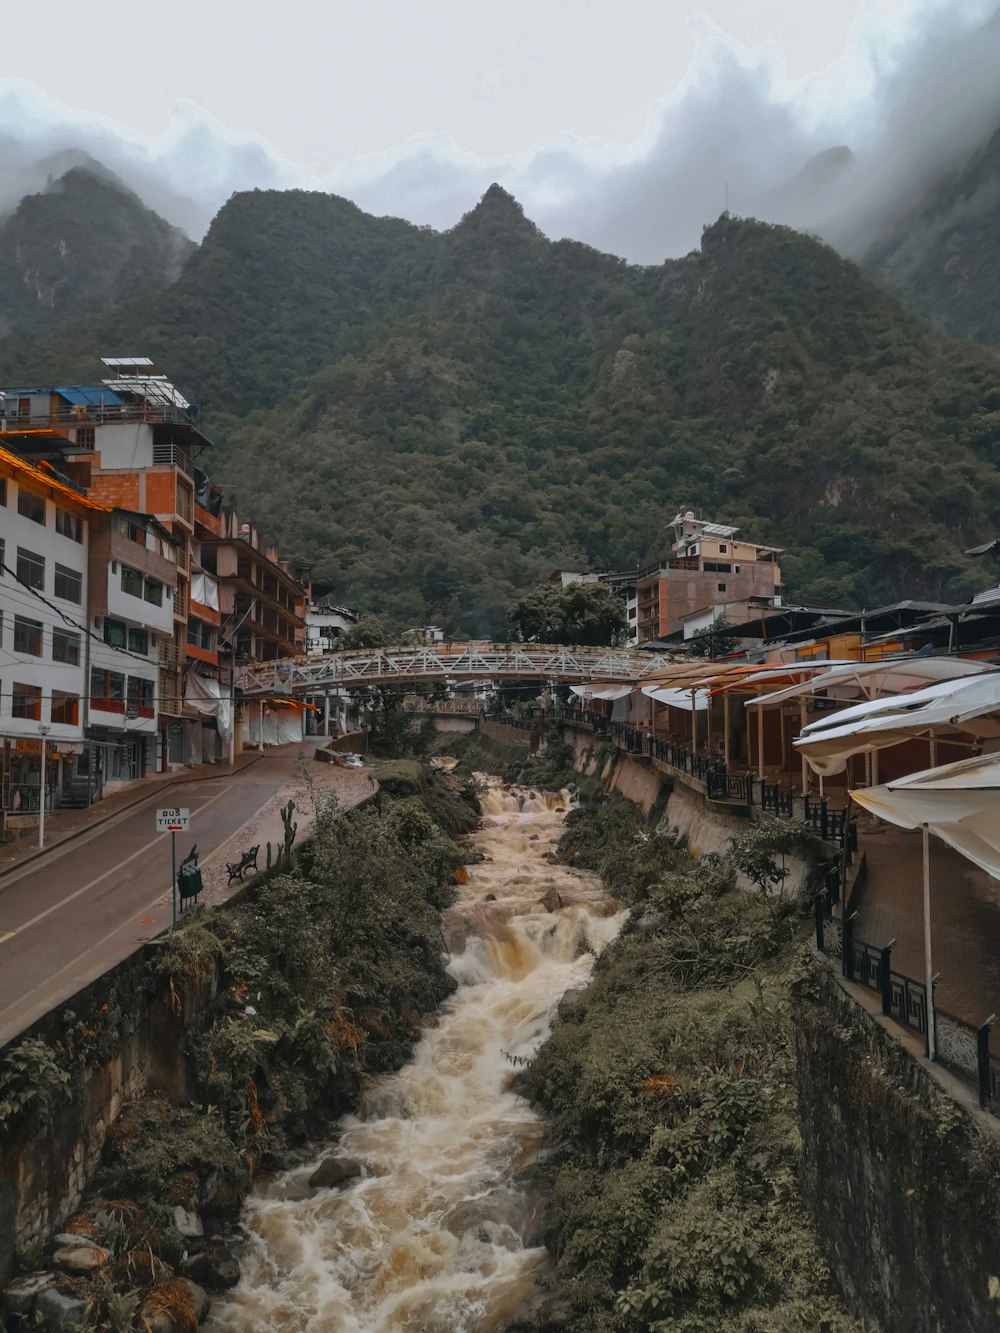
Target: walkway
(71, 913)
(965, 919)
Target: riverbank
(286, 1002)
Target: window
(721, 587)
(65, 708)
(27, 636)
(135, 532)
(138, 641)
(30, 506)
(722, 548)
(30, 568)
(68, 584)
(3, 490)
(66, 647)
(201, 635)
(115, 633)
(154, 592)
(107, 685)
(27, 702)
(86, 437)
(69, 525)
(140, 692)
(131, 581)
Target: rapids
(440, 1235)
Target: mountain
(436, 420)
(82, 246)
(944, 259)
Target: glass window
(27, 702)
(148, 694)
(133, 689)
(30, 506)
(154, 592)
(115, 633)
(68, 584)
(3, 490)
(138, 641)
(27, 636)
(65, 708)
(131, 581)
(106, 684)
(116, 685)
(66, 646)
(69, 525)
(30, 568)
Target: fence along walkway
(451, 661)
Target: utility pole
(44, 729)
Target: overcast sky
(621, 123)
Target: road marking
(7, 935)
(26, 925)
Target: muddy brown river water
(440, 1234)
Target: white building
(325, 622)
(44, 544)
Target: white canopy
(678, 698)
(830, 741)
(959, 803)
(601, 691)
(869, 679)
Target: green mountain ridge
(436, 420)
(81, 247)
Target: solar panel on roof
(126, 361)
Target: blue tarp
(90, 395)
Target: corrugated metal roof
(90, 395)
(23, 469)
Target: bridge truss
(444, 662)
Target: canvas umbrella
(960, 804)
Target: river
(440, 1235)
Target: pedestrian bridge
(449, 662)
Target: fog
(837, 155)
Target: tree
(715, 641)
(587, 614)
(369, 632)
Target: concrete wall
(902, 1178)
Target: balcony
(173, 455)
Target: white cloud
(916, 91)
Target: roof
(23, 469)
(90, 395)
(118, 361)
(152, 521)
(155, 389)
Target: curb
(113, 814)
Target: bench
(248, 861)
(189, 884)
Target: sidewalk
(62, 827)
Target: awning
(678, 698)
(959, 803)
(870, 679)
(602, 691)
(964, 705)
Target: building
(709, 567)
(325, 622)
(261, 600)
(45, 535)
(132, 588)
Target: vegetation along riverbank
(668, 1086)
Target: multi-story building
(132, 586)
(325, 622)
(45, 531)
(708, 568)
(261, 600)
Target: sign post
(172, 821)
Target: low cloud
(816, 157)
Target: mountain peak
(497, 211)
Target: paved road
(73, 913)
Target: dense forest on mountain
(943, 259)
(435, 421)
(81, 247)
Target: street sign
(171, 821)
(131, 712)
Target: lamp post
(44, 730)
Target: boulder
(80, 1260)
(200, 1299)
(333, 1171)
(20, 1295)
(216, 1267)
(66, 1240)
(62, 1313)
(490, 898)
(551, 901)
(219, 1195)
(188, 1224)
